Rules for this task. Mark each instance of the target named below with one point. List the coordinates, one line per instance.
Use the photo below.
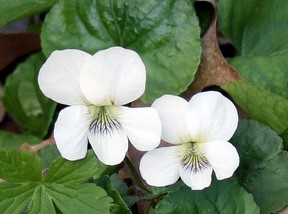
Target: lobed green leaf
(67, 172)
(61, 189)
(14, 197)
(81, 198)
(20, 167)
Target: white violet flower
(96, 88)
(199, 130)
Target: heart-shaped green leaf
(263, 165)
(24, 101)
(13, 10)
(259, 31)
(166, 35)
(225, 196)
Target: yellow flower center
(104, 120)
(192, 157)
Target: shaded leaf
(119, 206)
(24, 101)
(14, 10)
(225, 196)
(263, 165)
(11, 141)
(259, 31)
(166, 35)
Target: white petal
(116, 76)
(196, 181)
(192, 122)
(223, 158)
(110, 148)
(172, 111)
(59, 76)
(70, 132)
(142, 126)
(160, 167)
(218, 118)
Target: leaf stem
(135, 175)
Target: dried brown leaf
(213, 69)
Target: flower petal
(142, 126)
(172, 111)
(160, 167)
(218, 118)
(111, 147)
(59, 76)
(70, 132)
(223, 158)
(196, 181)
(116, 76)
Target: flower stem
(135, 175)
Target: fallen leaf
(213, 69)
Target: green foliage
(10, 141)
(15, 196)
(225, 196)
(61, 188)
(24, 101)
(67, 172)
(258, 29)
(19, 167)
(261, 105)
(14, 9)
(263, 165)
(166, 35)
(119, 206)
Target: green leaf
(259, 31)
(47, 155)
(261, 105)
(41, 202)
(119, 206)
(19, 167)
(82, 198)
(53, 194)
(263, 165)
(14, 10)
(166, 35)
(24, 101)
(11, 141)
(67, 172)
(14, 197)
(225, 196)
